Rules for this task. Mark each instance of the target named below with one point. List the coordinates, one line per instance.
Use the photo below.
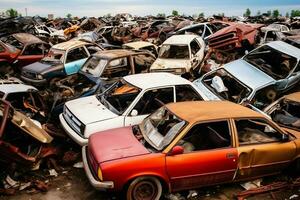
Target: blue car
(63, 59)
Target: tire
(162, 37)
(6, 69)
(144, 188)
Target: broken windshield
(94, 66)
(275, 63)
(226, 86)
(118, 97)
(161, 127)
(174, 51)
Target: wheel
(162, 37)
(6, 69)
(144, 188)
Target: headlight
(100, 176)
(39, 76)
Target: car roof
(138, 44)
(15, 87)
(152, 80)
(293, 97)
(69, 44)
(196, 111)
(285, 48)
(26, 38)
(181, 39)
(248, 74)
(116, 53)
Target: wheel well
(164, 185)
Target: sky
(97, 8)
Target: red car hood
(115, 144)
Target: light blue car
(64, 59)
(258, 78)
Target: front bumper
(75, 137)
(34, 81)
(99, 185)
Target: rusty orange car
(189, 145)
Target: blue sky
(144, 7)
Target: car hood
(115, 144)
(89, 110)
(248, 74)
(170, 64)
(38, 67)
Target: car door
(75, 59)
(148, 102)
(209, 156)
(261, 148)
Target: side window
(1, 49)
(142, 63)
(76, 54)
(186, 93)
(205, 136)
(207, 32)
(34, 49)
(117, 68)
(154, 99)
(256, 131)
(194, 47)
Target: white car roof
(152, 80)
(285, 48)
(15, 88)
(181, 39)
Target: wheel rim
(145, 190)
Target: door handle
(230, 155)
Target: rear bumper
(104, 185)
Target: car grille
(31, 75)
(92, 163)
(72, 121)
(222, 40)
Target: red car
(21, 49)
(188, 145)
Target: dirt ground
(72, 184)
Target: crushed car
(124, 103)
(22, 140)
(235, 36)
(258, 78)
(23, 49)
(100, 70)
(180, 54)
(189, 145)
(285, 111)
(24, 98)
(62, 60)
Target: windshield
(55, 55)
(118, 97)
(94, 66)
(174, 51)
(226, 86)
(161, 127)
(275, 63)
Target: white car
(179, 54)
(125, 103)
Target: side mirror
(134, 112)
(285, 138)
(177, 150)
